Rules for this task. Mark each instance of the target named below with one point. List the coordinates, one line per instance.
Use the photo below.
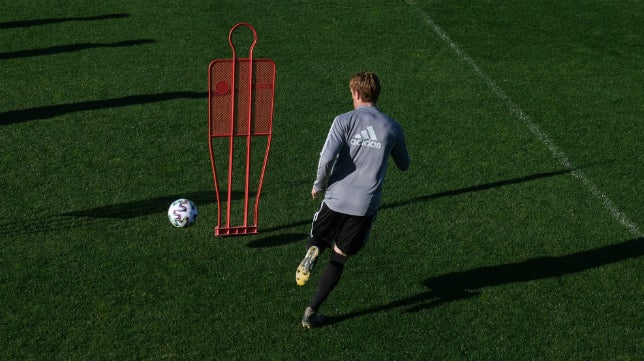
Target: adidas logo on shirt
(366, 138)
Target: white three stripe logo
(367, 134)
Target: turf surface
(488, 248)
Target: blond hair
(367, 85)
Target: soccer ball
(182, 213)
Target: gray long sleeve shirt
(354, 159)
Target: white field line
(534, 128)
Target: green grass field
(515, 235)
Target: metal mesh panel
(226, 121)
(263, 87)
(220, 97)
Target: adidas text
(366, 143)
(366, 138)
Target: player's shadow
(46, 21)
(51, 111)
(61, 49)
(535, 268)
(470, 283)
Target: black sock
(328, 280)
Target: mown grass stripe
(533, 127)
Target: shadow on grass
(536, 268)
(278, 240)
(149, 206)
(126, 210)
(477, 188)
(466, 284)
(288, 226)
(429, 197)
(18, 116)
(61, 49)
(37, 22)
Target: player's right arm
(328, 156)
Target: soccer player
(350, 175)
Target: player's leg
(329, 279)
(323, 231)
(327, 283)
(353, 234)
(324, 227)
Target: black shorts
(349, 233)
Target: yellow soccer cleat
(304, 268)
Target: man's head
(366, 86)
